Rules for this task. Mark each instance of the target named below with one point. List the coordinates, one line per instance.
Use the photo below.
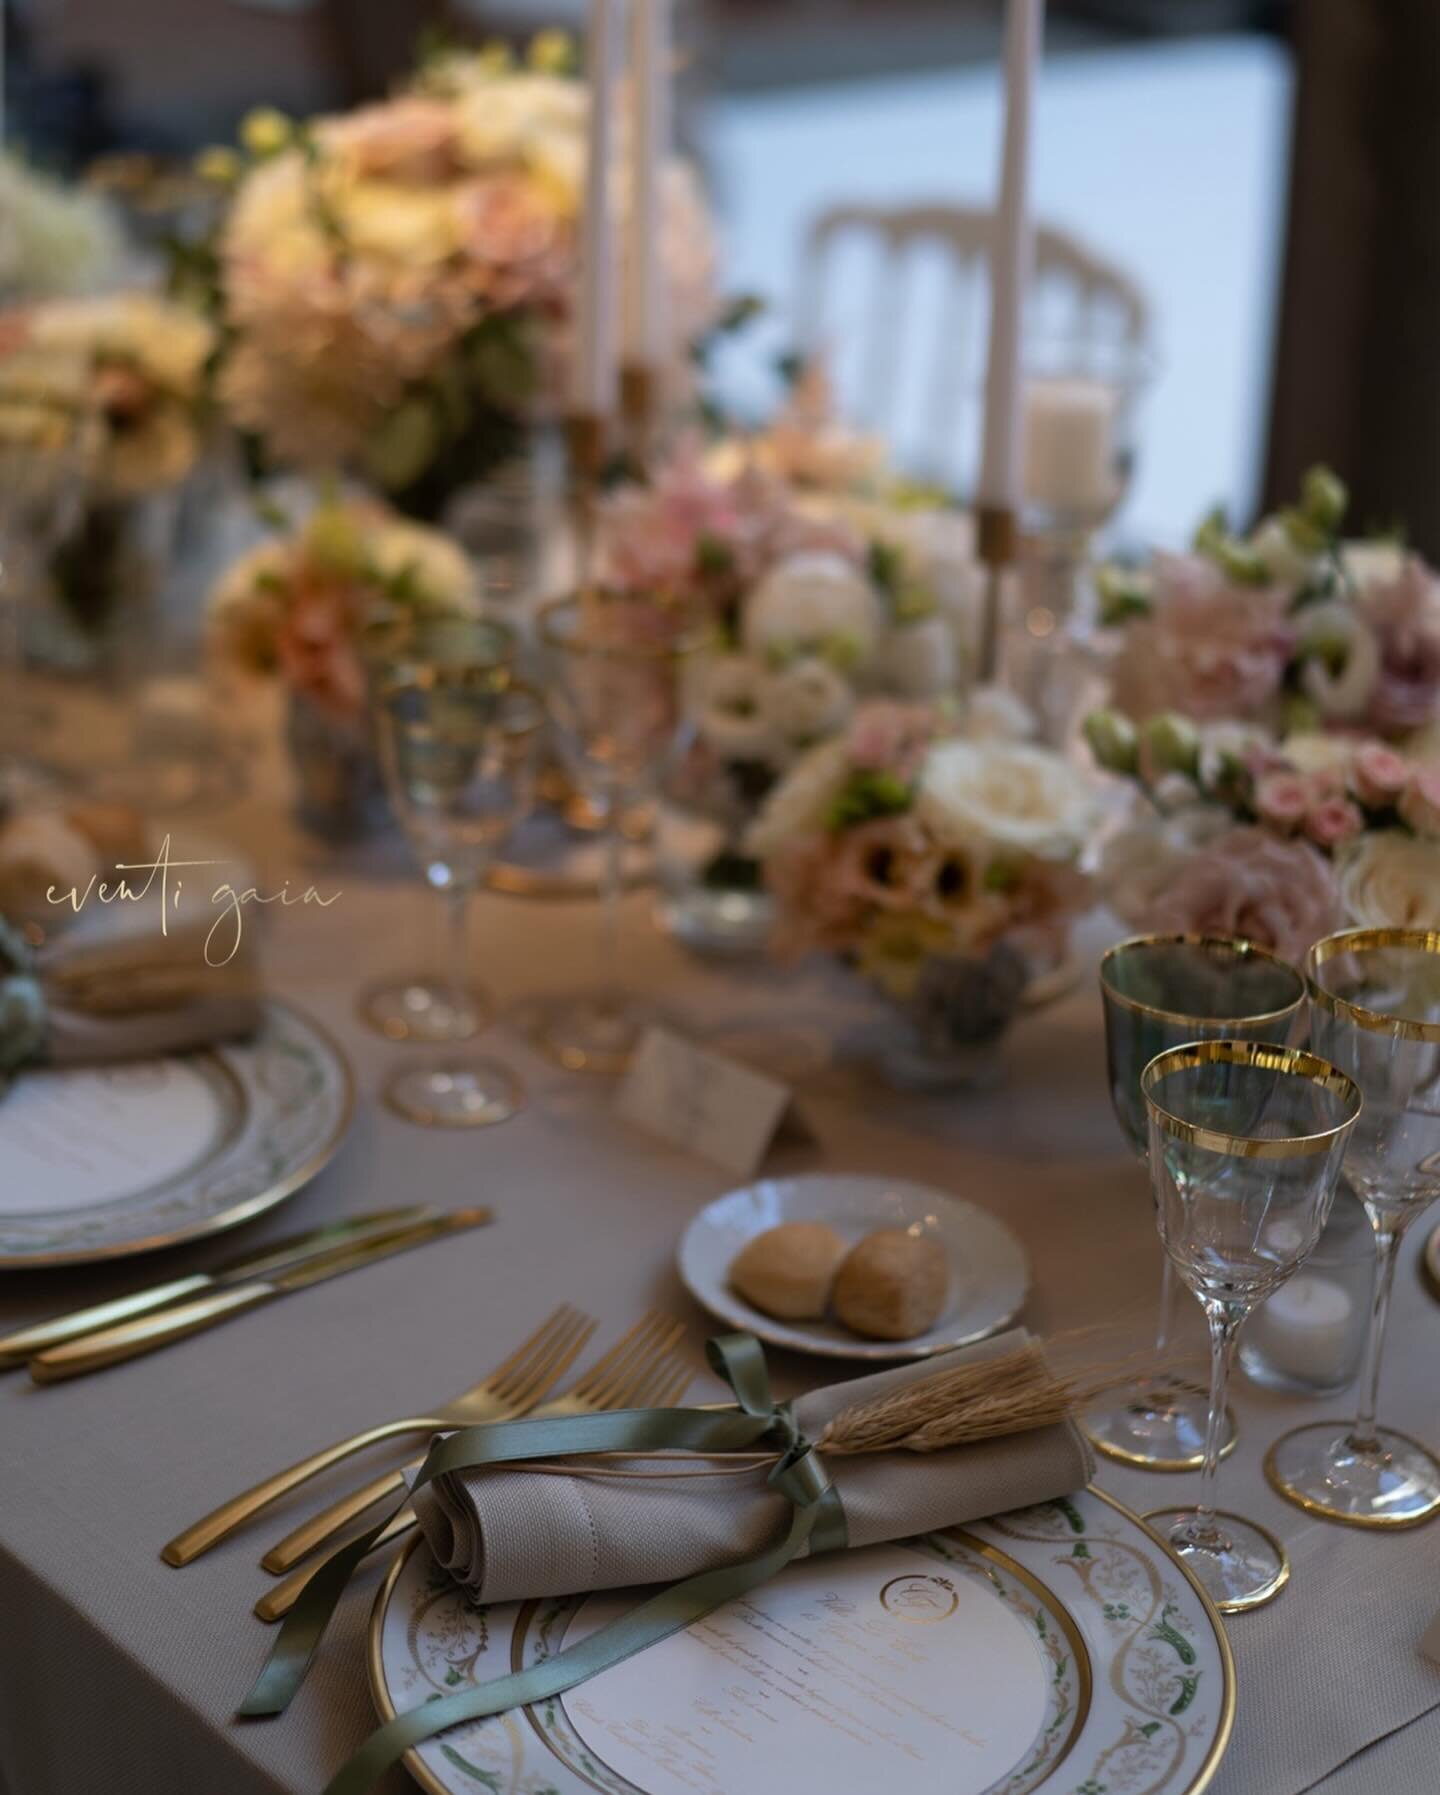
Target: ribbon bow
(22, 1002)
(817, 1521)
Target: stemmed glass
(615, 687)
(459, 751)
(1246, 1143)
(1161, 991)
(394, 643)
(1375, 1010)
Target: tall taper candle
(592, 388)
(1010, 261)
(643, 292)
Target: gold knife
(131, 1338)
(17, 1347)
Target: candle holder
(586, 434)
(639, 412)
(997, 541)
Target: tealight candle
(1070, 449)
(1310, 1335)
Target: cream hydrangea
(1006, 795)
(1391, 879)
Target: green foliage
(865, 797)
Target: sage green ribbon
(818, 1520)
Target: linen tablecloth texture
(513, 1533)
(119, 1674)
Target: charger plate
(1061, 1648)
(109, 1160)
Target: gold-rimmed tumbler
(1375, 1011)
(1246, 1145)
(1160, 991)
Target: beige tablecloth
(118, 1675)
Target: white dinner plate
(1060, 1648)
(101, 1161)
(989, 1273)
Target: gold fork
(646, 1368)
(535, 1367)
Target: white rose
(807, 701)
(1009, 795)
(802, 800)
(817, 603)
(1392, 880)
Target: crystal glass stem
(1169, 1294)
(457, 901)
(1389, 1231)
(1224, 1320)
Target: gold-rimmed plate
(1058, 1648)
(100, 1162)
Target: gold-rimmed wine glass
(459, 750)
(616, 667)
(396, 641)
(1160, 991)
(1246, 1145)
(1375, 1011)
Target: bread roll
(787, 1271)
(892, 1285)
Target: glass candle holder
(1309, 1337)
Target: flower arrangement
(1280, 845)
(944, 867)
(136, 361)
(399, 281)
(295, 605)
(1294, 626)
(55, 240)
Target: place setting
(637, 886)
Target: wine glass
(394, 642)
(1246, 1144)
(459, 753)
(1160, 991)
(615, 688)
(1375, 1011)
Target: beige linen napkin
(140, 995)
(508, 1534)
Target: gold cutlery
(535, 1366)
(17, 1347)
(646, 1368)
(128, 1339)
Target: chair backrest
(897, 300)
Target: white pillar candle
(1069, 437)
(1010, 262)
(1305, 1329)
(643, 322)
(592, 386)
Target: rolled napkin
(560, 1527)
(133, 996)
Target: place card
(694, 1098)
(1430, 1641)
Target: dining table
(120, 1675)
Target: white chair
(896, 301)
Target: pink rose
(1333, 821)
(1420, 803)
(1248, 883)
(1281, 801)
(1379, 774)
(411, 140)
(315, 647)
(1208, 650)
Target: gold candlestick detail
(997, 541)
(585, 438)
(639, 407)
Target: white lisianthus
(1391, 879)
(814, 604)
(1313, 751)
(1375, 564)
(1007, 795)
(994, 715)
(1344, 694)
(733, 719)
(1224, 750)
(807, 701)
(1286, 564)
(802, 800)
(917, 660)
